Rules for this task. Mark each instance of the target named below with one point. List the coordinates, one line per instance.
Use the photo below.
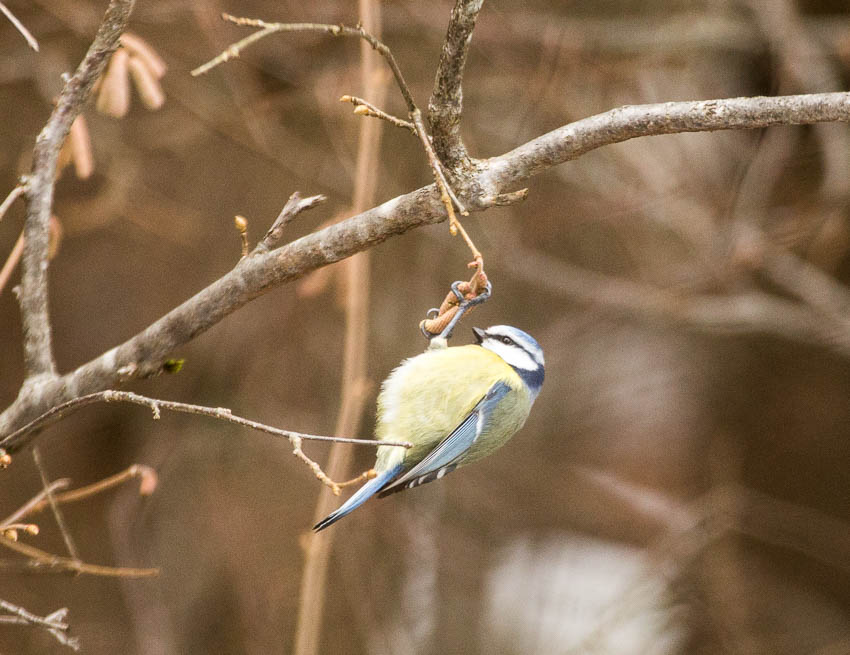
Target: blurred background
(683, 482)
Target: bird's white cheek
(512, 355)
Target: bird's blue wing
(443, 459)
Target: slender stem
(334, 30)
(54, 506)
(11, 262)
(14, 194)
(29, 617)
(34, 503)
(82, 493)
(43, 559)
(294, 206)
(22, 436)
(20, 27)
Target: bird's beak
(479, 334)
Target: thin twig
(334, 30)
(20, 437)
(146, 473)
(36, 501)
(365, 108)
(11, 262)
(447, 196)
(22, 29)
(29, 617)
(43, 559)
(54, 506)
(294, 206)
(14, 194)
(314, 466)
(54, 622)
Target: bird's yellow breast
(427, 397)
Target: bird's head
(518, 349)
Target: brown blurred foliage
(672, 492)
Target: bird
(456, 405)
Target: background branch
(30, 39)
(354, 384)
(43, 560)
(54, 623)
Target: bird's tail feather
(361, 496)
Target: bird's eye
(507, 341)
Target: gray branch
(38, 348)
(144, 354)
(55, 622)
(446, 103)
(575, 139)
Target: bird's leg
(463, 305)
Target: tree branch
(623, 123)
(144, 354)
(33, 297)
(54, 623)
(267, 28)
(41, 559)
(30, 39)
(22, 436)
(34, 503)
(446, 103)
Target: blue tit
(455, 405)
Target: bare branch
(20, 27)
(34, 503)
(14, 194)
(38, 348)
(631, 121)
(446, 103)
(42, 560)
(19, 438)
(294, 206)
(54, 506)
(334, 30)
(11, 261)
(54, 622)
(29, 617)
(145, 473)
(144, 354)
